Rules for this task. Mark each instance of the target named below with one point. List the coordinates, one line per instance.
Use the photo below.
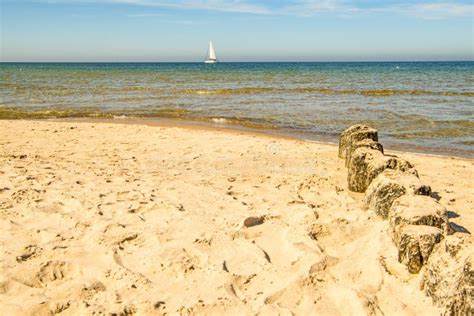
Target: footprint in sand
(49, 272)
(5, 204)
(54, 271)
(26, 195)
(239, 285)
(118, 235)
(241, 256)
(29, 252)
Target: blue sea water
(421, 106)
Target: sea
(416, 106)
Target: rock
(253, 221)
(417, 210)
(453, 244)
(415, 244)
(367, 143)
(417, 224)
(390, 185)
(362, 131)
(463, 295)
(366, 164)
(396, 163)
(449, 281)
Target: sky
(241, 30)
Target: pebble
(253, 221)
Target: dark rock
(415, 244)
(366, 164)
(362, 131)
(367, 143)
(390, 185)
(449, 280)
(253, 221)
(417, 224)
(417, 210)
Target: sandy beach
(128, 219)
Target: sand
(124, 218)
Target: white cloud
(341, 8)
(442, 10)
(434, 10)
(237, 6)
(214, 5)
(312, 7)
(145, 15)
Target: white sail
(211, 54)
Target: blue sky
(246, 30)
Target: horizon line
(241, 61)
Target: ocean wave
(256, 123)
(327, 91)
(85, 112)
(158, 92)
(11, 113)
(248, 90)
(439, 129)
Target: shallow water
(423, 106)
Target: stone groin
(418, 223)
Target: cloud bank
(419, 9)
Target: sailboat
(211, 55)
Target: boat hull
(210, 61)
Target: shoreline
(422, 108)
(222, 127)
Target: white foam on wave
(218, 120)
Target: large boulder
(449, 276)
(390, 185)
(417, 210)
(415, 244)
(463, 294)
(417, 224)
(366, 164)
(354, 134)
(367, 143)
